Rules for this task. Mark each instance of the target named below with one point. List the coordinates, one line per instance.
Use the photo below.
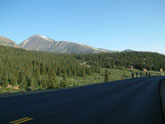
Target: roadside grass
(114, 74)
(9, 90)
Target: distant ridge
(128, 50)
(42, 43)
(7, 42)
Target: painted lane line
(21, 120)
(24, 121)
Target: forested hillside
(33, 70)
(122, 60)
(30, 70)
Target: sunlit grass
(114, 74)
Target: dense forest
(122, 60)
(32, 70)
(40, 70)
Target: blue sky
(110, 24)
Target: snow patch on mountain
(44, 37)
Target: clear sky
(110, 24)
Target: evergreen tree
(5, 80)
(32, 84)
(13, 81)
(106, 77)
(63, 83)
(43, 83)
(52, 80)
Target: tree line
(122, 60)
(41, 70)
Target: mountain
(128, 50)
(106, 50)
(38, 43)
(42, 43)
(70, 47)
(7, 42)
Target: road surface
(133, 101)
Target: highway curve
(133, 101)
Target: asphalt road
(133, 101)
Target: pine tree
(52, 80)
(43, 83)
(63, 83)
(5, 80)
(13, 81)
(106, 77)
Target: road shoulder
(162, 93)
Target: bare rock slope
(42, 43)
(7, 42)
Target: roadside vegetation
(22, 70)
